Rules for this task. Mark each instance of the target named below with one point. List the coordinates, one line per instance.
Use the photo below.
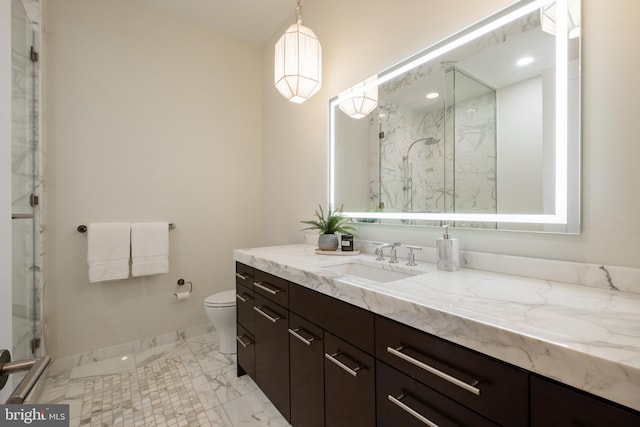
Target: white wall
(361, 37)
(519, 150)
(352, 162)
(5, 184)
(148, 118)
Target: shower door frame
(25, 82)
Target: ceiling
(251, 20)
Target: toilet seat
(221, 299)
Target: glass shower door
(23, 148)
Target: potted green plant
(333, 222)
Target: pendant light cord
(299, 12)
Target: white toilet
(221, 310)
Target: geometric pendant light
(548, 18)
(360, 100)
(298, 62)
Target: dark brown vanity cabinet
(326, 363)
(492, 388)
(244, 312)
(271, 324)
(557, 405)
(272, 287)
(306, 370)
(349, 382)
(244, 306)
(403, 401)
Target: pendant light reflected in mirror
(361, 99)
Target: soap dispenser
(448, 253)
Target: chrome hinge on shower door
(33, 55)
(35, 344)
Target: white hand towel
(149, 248)
(108, 249)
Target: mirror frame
(561, 216)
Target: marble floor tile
(181, 383)
(113, 365)
(254, 410)
(161, 352)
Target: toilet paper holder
(181, 282)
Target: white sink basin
(375, 273)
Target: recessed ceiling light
(432, 95)
(524, 61)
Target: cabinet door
(559, 406)
(403, 401)
(244, 304)
(306, 368)
(349, 384)
(246, 352)
(272, 352)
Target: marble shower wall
(453, 172)
(472, 161)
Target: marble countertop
(585, 337)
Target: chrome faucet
(411, 259)
(380, 250)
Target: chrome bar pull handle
(295, 333)
(264, 287)
(242, 276)
(272, 319)
(243, 297)
(241, 342)
(351, 371)
(453, 380)
(36, 368)
(410, 410)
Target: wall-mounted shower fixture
(427, 141)
(407, 172)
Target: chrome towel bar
(83, 228)
(36, 368)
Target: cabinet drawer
(349, 381)
(244, 302)
(306, 368)
(347, 321)
(403, 401)
(246, 351)
(492, 388)
(556, 405)
(244, 274)
(272, 287)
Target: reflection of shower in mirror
(407, 171)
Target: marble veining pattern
(186, 382)
(583, 336)
(419, 177)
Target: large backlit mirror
(481, 130)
